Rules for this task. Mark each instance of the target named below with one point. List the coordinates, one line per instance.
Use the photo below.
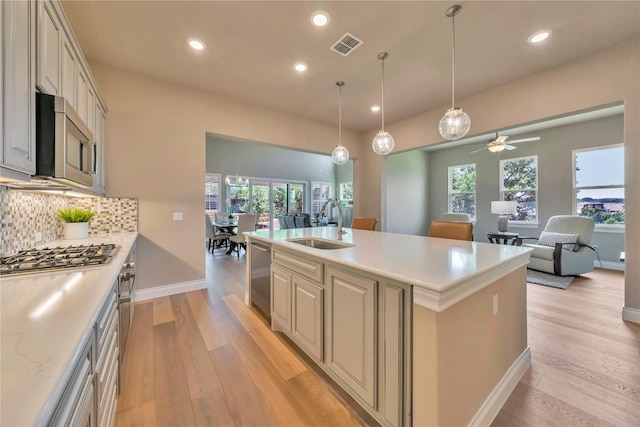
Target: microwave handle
(93, 152)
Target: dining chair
(456, 217)
(451, 230)
(246, 222)
(364, 223)
(215, 237)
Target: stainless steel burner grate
(38, 260)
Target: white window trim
(516, 223)
(603, 228)
(450, 191)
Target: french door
(270, 199)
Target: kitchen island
(418, 330)
(47, 320)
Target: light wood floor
(204, 358)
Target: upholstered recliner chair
(563, 247)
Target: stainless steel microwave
(65, 150)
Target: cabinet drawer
(308, 267)
(105, 317)
(107, 365)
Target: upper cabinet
(40, 53)
(18, 65)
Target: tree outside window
(346, 192)
(462, 189)
(599, 184)
(519, 182)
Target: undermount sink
(320, 243)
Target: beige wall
(608, 77)
(156, 133)
(462, 353)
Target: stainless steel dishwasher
(260, 258)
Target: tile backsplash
(26, 213)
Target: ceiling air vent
(346, 44)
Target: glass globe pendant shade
(383, 143)
(454, 124)
(340, 155)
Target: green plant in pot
(76, 222)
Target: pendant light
(383, 142)
(455, 123)
(340, 154)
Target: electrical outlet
(495, 304)
(177, 216)
(38, 237)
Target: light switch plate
(495, 304)
(177, 216)
(38, 237)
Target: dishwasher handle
(263, 248)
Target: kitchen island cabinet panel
(351, 331)
(281, 298)
(307, 326)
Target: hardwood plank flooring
(203, 358)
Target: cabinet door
(49, 45)
(91, 110)
(82, 93)
(351, 331)
(391, 353)
(281, 298)
(307, 327)
(98, 136)
(18, 63)
(69, 64)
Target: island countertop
(441, 271)
(45, 318)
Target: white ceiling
(252, 46)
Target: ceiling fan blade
(508, 147)
(483, 148)
(502, 138)
(533, 138)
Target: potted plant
(76, 222)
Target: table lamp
(503, 209)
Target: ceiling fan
(499, 143)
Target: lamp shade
(340, 155)
(501, 207)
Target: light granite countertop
(441, 271)
(45, 317)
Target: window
(320, 192)
(599, 184)
(212, 192)
(462, 189)
(346, 192)
(519, 182)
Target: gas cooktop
(48, 259)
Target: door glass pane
(279, 198)
(260, 202)
(296, 197)
(238, 198)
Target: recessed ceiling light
(375, 108)
(196, 43)
(320, 18)
(300, 67)
(539, 36)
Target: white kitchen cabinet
(77, 406)
(99, 180)
(307, 317)
(18, 81)
(50, 35)
(281, 297)
(69, 64)
(82, 94)
(351, 331)
(106, 372)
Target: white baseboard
(609, 265)
(494, 402)
(163, 291)
(631, 314)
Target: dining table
(227, 227)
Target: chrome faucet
(340, 232)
